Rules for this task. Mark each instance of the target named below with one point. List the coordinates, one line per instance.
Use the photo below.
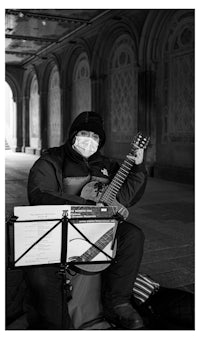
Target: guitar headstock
(140, 141)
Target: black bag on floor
(167, 309)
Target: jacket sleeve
(44, 188)
(134, 186)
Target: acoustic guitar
(106, 194)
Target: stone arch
(81, 85)
(148, 106)
(161, 43)
(103, 80)
(15, 138)
(54, 108)
(69, 58)
(106, 39)
(32, 111)
(26, 112)
(14, 86)
(149, 36)
(122, 94)
(48, 140)
(68, 61)
(26, 95)
(178, 21)
(10, 116)
(167, 48)
(158, 25)
(53, 59)
(175, 57)
(30, 72)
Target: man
(58, 177)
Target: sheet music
(48, 250)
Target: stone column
(66, 108)
(19, 126)
(98, 90)
(43, 119)
(25, 124)
(147, 115)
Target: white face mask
(86, 146)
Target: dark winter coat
(45, 182)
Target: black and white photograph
(99, 169)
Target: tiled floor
(165, 214)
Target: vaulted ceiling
(29, 32)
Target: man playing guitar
(61, 176)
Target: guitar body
(89, 268)
(92, 192)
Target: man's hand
(138, 156)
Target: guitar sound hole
(98, 186)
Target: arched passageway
(136, 69)
(10, 117)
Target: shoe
(124, 316)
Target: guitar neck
(100, 244)
(113, 188)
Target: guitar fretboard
(101, 243)
(118, 180)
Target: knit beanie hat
(88, 121)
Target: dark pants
(45, 304)
(118, 278)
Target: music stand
(64, 265)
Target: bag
(162, 308)
(167, 309)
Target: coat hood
(88, 121)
